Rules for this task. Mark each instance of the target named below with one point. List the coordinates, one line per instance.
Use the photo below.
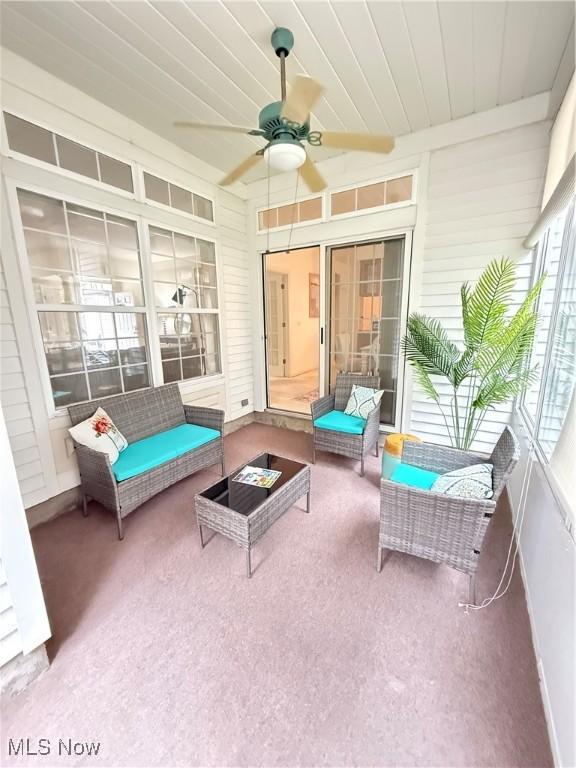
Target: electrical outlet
(244, 402)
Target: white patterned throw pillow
(362, 401)
(474, 482)
(101, 434)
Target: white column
(18, 556)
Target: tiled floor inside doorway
(294, 393)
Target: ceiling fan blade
(241, 169)
(366, 142)
(302, 97)
(215, 127)
(312, 176)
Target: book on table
(258, 476)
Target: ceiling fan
(285, 126)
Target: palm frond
(425, 382)
(486, 305)
(513, 346)
(463, 367)
(507, 375)
(465, 293)
(499, 390)
(427, 343)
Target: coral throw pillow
(101, 434)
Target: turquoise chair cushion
(157, 449)
(406, 474)
(338, 421)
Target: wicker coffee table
(243, 512)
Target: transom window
(164, 192)
(377, 195)
(293, 213)
(33, 141)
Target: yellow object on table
(392, 453)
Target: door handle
(321, 335)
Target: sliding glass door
(365, 312)
(292, 312)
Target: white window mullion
(155, 359)
(138, 182)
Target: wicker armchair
(351, 445)
(435, 526)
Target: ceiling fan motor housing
(274, 126)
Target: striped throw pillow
(474, 482)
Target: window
(547, 260)
(377, 195)
(294, 213)
(547, 402)
(86, 276)
(186, 297)
(34, 141)
(85, 267)
(162, 191)
(94, 354)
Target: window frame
(64, 172)
(149, 309)
(532, 426)
(413, 172)
(142, 169)
(536, 273)
(539, 266)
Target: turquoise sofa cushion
(157, 449)
(406, 474)
(338, 421)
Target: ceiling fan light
(285, 156)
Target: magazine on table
(262, 478)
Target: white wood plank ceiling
(389, 66)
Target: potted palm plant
(492, 365)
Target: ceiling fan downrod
(282, 41)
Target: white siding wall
(548, 563)
(238, 305)
(45, 463)
(23, 620)
(15, 401)
(483, 197)
(10, 640)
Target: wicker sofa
(435, 526)
(141, 415)
(354, 446)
